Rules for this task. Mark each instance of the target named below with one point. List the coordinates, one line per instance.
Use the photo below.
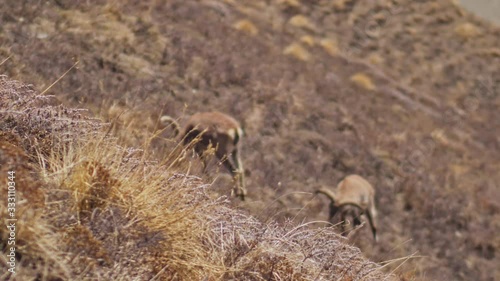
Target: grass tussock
(342, 5)
(290, 3)
(467, 30)
(375, 59)
(297, 51)
(302, 21)
(98, 210)
(246, 26)
(308, 40)
(330, 46)
(363, 81)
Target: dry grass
(375, 59)
(308, 40)
(364, 81)
(290, 3)
(341, 5)
(247, 27)
(103, 211)
(330, 46)
(202, 62)
(302, 21)
(297, 51)
(467, 30)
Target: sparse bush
(290, 3)
(308, 40)
(247, 27)
(302, 21)
(297, 51)
(376, 59)
(467, 30)
(330, 46)
(363, 81)
(102, 211)
(342, 5)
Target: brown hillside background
(404, 93)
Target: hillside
(86, 208)
(405, 93)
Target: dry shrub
(37, 122)
(375, 58)
(342, 5)
(262, 252)
(134, 65)
(301, 21)
(35, 246)
(29, 125)
(330, 46)
(363, 81)
(247, 27)
(290, 3)
(91, 185)
(111, 208)
(297, 51)
(440, 137)
(105, 212)
(308, 40)
(467, 30)
(107, 24)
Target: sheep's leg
(371, 219)
(333, 211)
(204, 165)
(343, 224)
(238, 190)
(203, 159)
(239, 173)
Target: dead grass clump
(78, 237)
(36, 121)
(440, 137)
(110, 24)
(91, 185)
(330, 46)
(246, 26)
(15, 159)
(290, 3)
(297, 51)
(138, 220)
(467, 30)
(254, 251)
(128, 210)
(35, 253)
(363, 81)
(301, 21)
(111, 214)
(134, 65)
(128, 123)
(308, 40)
(376, 59)
(342, 5)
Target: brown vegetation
(426, 136)
(94, 209)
